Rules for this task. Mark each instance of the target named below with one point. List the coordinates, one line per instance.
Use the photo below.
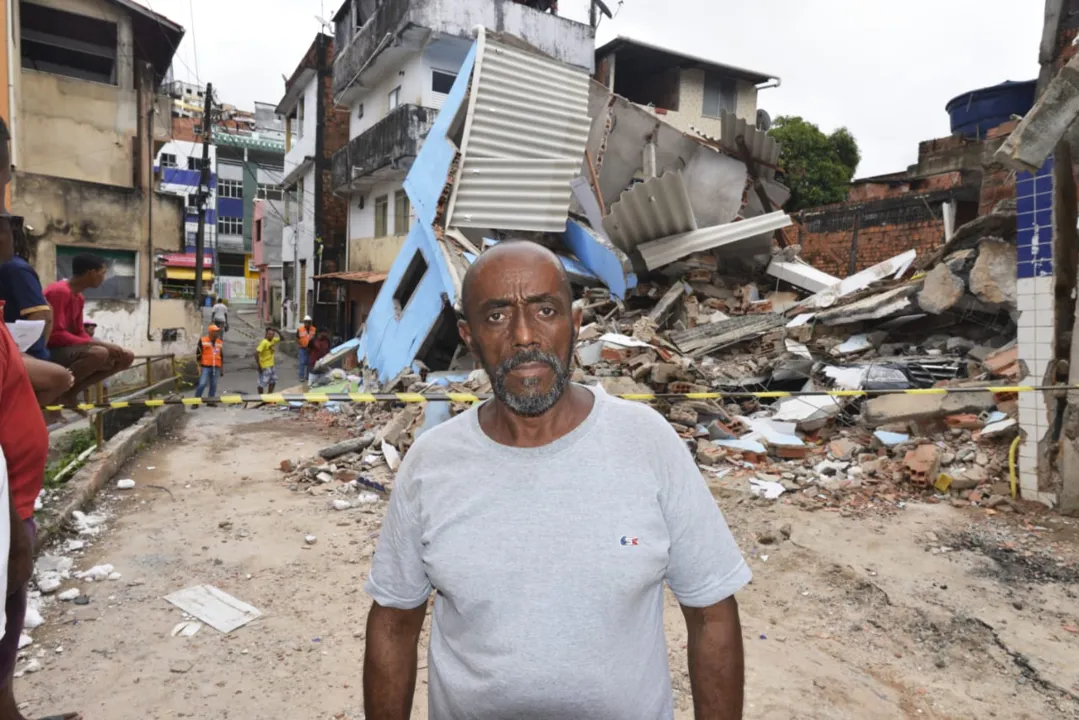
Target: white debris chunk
(125, 484)
(96, 573)
(25, 641)
(68, 595)
(32, 619)
(339, 504)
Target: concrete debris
(125, 484)
(941, 290)
(992, 279)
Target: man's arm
(716, 660)
(389, 665)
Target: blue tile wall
(1034, 204)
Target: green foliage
(816, 167)
(78, 442)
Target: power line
(194, 44)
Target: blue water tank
(976, 112)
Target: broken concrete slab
(992, 279)
(1035, 138)
(886, 409)
(801, 274)
(941, 290)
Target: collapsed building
(691, 282)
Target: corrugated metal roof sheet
(524, 140)
(656, 208)
(762, 147)
(666, 250)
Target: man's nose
(523, 332)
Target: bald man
(547, 520)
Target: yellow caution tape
(322, 398)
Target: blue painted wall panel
(230, 207)
(603, 263)
(427, 178)
(389, 342)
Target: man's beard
(532, 402)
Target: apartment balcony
(385, 151)
(400, 28)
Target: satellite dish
(764, 121)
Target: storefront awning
(186, 260)
(187, 274)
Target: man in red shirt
(88, 359)
(25, 443)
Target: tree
(816, 167)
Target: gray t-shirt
(549, 564)
(220, 312)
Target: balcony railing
(385, 150)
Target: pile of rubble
(769, 334)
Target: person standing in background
(210, 355)
(219, 315)
(266, 360)
(304, 335)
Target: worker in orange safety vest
(211, 359)
(304, 335)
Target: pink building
(268, 298)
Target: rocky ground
(928, 611)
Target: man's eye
(495, 317)
(546, 311)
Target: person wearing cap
(304, 335)
(211, 359)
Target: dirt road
(849, 618)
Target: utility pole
(204, 190)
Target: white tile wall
(1036, 334)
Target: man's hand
(716, 660)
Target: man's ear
(464, 331)
(578, 314)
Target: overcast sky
(884, 69)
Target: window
(359, 112)
(192, 212)
(230, 189)
(194, 163)
(192, 238)
(395, 97)
(230, 226)
(382, 206)
(258, 230)
(401, 212)
(720, 93)
(441, 81)
(231, 264)
(68, 44)
(167, 160)
(268, 191)
(119, 282)
(417, 268)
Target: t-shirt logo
(626, 540)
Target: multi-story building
(315, 234)
(88, 113)
(394, 65)
(250, 166)
(246, 156)
(688, 92)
